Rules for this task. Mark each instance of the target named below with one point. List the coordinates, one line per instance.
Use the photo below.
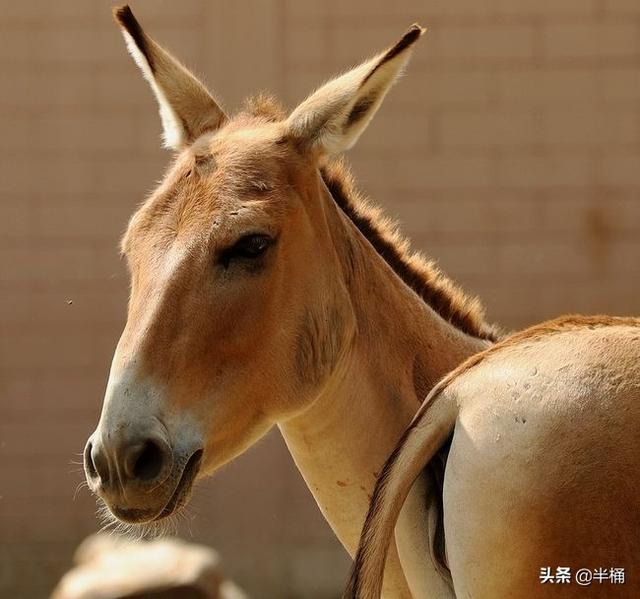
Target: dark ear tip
(124, 16)
(406, 41)
(413, 33)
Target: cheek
(221, 321)
(235, 329)
(319, 344)
(235, 352)
(252, 310)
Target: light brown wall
(510, 152)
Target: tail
(428, 431)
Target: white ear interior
(187, 109)
(173, 133)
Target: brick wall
(510, 152)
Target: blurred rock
(110, 567)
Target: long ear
(187, 109)
(332, 118)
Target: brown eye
(248, 247)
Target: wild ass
(543, 470)
(265, 291)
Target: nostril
(95, 463)
(146, 462)
(89, 466)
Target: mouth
(183, 488)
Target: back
(543, 468)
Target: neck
(401, 349)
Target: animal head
(238, 314)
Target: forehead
(244, 168)
(242, 155)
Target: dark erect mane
(422, 275)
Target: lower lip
(184, 484)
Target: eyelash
(248, 247)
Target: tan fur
(568, 322)
(419, 273)
(333, 334)
(603, 369)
